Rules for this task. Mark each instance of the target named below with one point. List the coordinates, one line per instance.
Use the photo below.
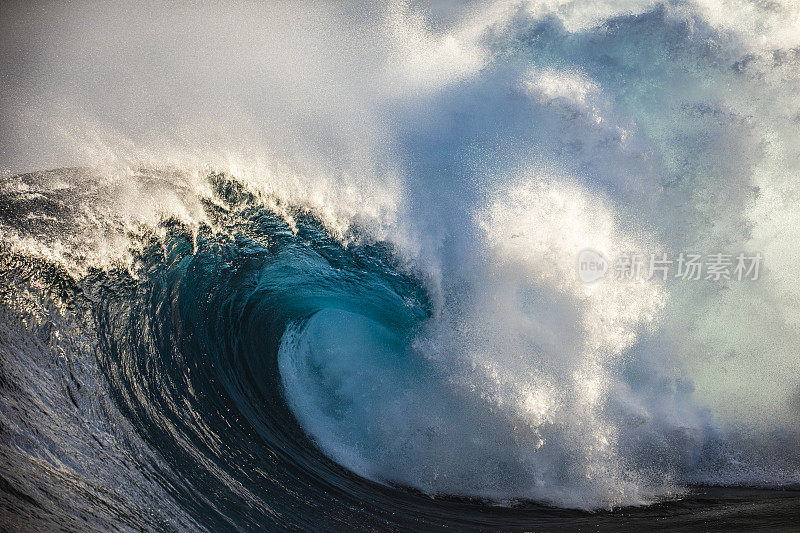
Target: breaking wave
(343, 287)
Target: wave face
(318, 266)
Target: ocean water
(315, 266)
